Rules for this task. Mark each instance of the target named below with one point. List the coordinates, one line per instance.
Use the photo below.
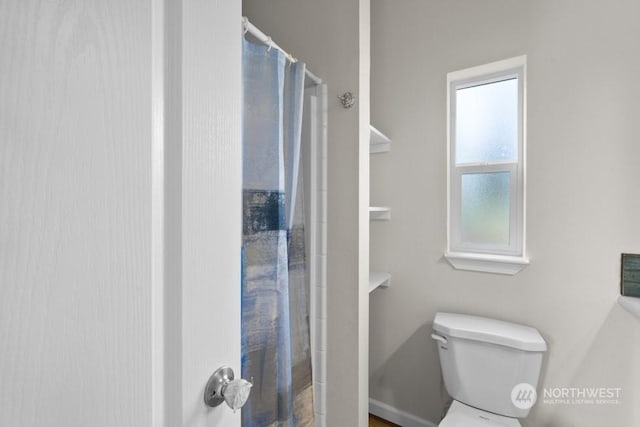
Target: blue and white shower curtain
(276, 351)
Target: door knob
(222, 387)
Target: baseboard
(397, 416)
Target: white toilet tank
(483, 359)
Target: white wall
(583, 207)
(328, 36)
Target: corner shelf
(379, 213)
(378, 280)
(632, 305)
(378, 142)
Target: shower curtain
(276, 352)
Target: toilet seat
(461, 415)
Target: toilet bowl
(484, 363)
(461, 415)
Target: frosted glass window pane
(485, 208)
(487, 122)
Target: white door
(120, 210)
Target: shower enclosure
(284, 237)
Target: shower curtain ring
(245, 25)
(269, 43)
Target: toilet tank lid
(491, 331)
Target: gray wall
(583, 204)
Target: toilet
(484, 363)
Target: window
(486, 163)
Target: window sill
(632, 305)
(485, 263)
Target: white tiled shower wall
(318, 246)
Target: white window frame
(475, 257)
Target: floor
(379, 422)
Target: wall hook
(347, 99)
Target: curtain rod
(262, 37)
